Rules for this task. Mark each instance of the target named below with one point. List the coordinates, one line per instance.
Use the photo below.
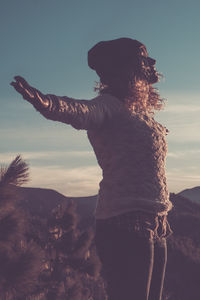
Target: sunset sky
(46, 41)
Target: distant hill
(193, 194)
(40, 202)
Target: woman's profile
(130, 146)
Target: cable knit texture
(130, 148)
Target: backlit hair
(137, 94)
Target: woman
(130, 146)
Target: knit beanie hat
(108, 57)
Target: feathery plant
(52, 259)
(20, 261)
(17, 173)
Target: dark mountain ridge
(193, 194)
(40, 202)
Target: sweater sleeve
(81, 114)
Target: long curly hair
(136, 93)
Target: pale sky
(46, 41)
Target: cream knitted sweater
(130, 148)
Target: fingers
(29, 93)
(24, 84)
(22, 90)
(21, 80)
(13, 83)
(18, 87)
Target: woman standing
(130, 146)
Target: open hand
(29, 93)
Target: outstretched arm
(81, 114)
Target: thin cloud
(50, 130)
(45, 155)
(179, 181)
(182, 120)
(177, 109)
(71, 182)
(183, 154)
(186, 134)
(84, 181)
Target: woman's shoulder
(109, 103)
(107, 99)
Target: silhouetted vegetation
(42, 256)
(20, 262)
(70, 260)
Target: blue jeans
(133, 252)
